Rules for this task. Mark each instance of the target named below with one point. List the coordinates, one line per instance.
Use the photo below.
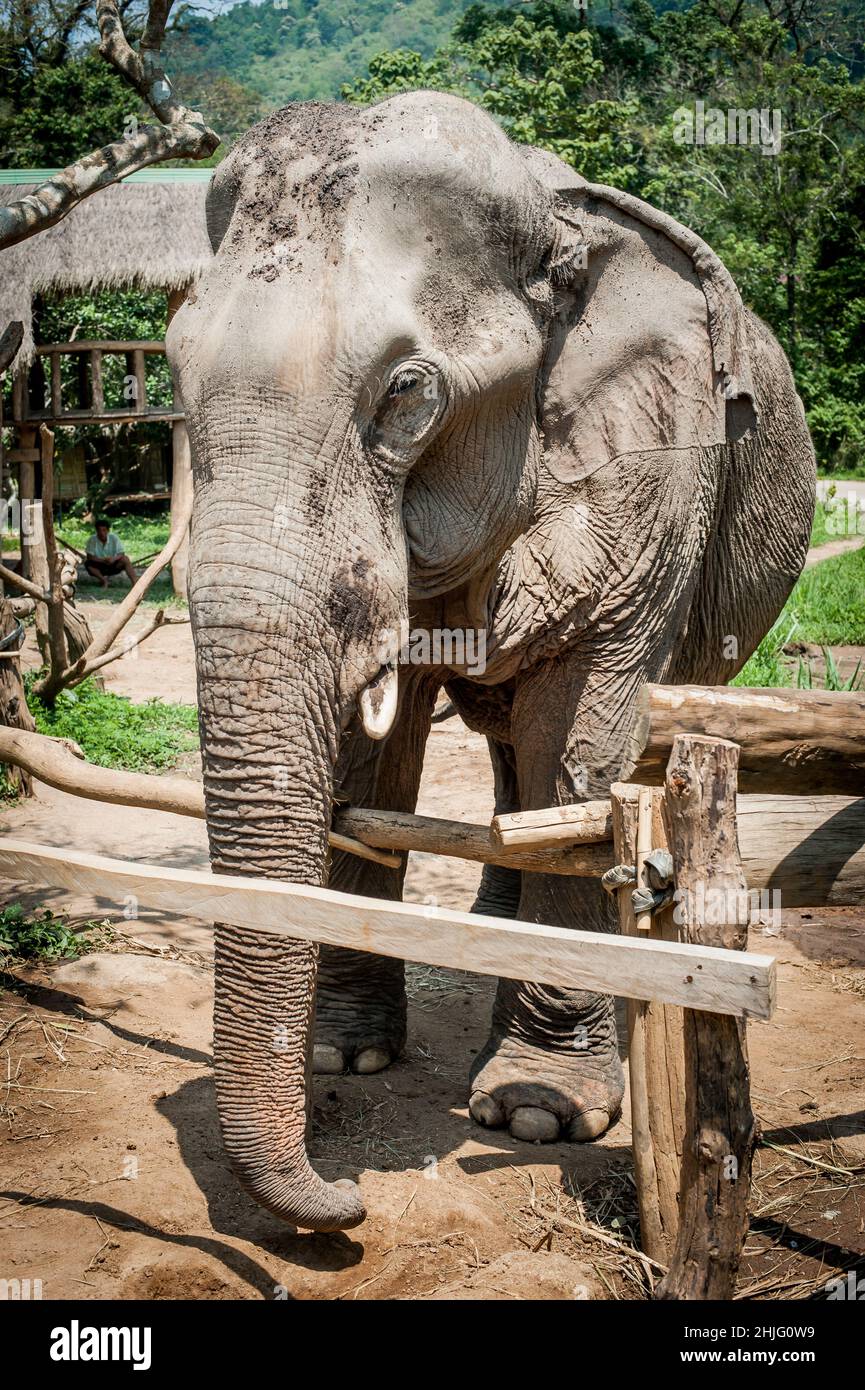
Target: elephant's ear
(649, 346)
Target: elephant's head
(361, 368)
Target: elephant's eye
(402, 382)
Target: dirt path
(113, 1181)
(829, 549)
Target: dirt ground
(113, 1181)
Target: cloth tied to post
(659, 866)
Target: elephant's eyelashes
(402, 382)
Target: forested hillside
(606, 89)
(296, 49)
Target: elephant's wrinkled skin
(432, 375)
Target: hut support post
(656, 1062)
(720, 1130)
(26, 493)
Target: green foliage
(114, 732)
(52, 115)
(44, 936)
(303, 49)
(832, 679)
(829, 601)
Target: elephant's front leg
(551, 1066)
(360, 1009)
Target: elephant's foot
(551, 1066)
(360, 1013)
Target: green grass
(766, 666)
(827, 608)
(820, 533)
(44, 936)
(114, 732)
(829, 601)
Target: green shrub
(44, 936)
(114, 732)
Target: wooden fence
(690, 982)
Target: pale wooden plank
(586, 822)
(700, 977)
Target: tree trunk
(792, 742)
(14, 713)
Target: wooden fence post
(655, 1047)
(720, 1130)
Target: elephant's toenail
(587, 1126)
(327, 1061)
(485, 1110)
(533, 1125)
(369, 1060)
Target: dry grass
(429, 986)
(597, 1222)
(358, 1130)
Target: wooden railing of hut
(26, 418)
(92, 352)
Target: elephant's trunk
(265, 984)
(273, 698)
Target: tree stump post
(14, 713)
(720, 1130)
(656, 1065)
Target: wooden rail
(737, 983)
(93, 352)
(792, 742)
(809, 849)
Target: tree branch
(24, 584)
(181, 134)
(75, 675)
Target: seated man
(105, 556)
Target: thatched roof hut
(147, 232)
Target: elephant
(435, 378)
